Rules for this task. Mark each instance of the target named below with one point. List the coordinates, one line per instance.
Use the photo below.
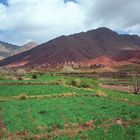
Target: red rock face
(96, 46)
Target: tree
(136, 82)
(68, 69)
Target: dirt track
(2, 128)
(118, 87)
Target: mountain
(80, 47)
(7, 49)
(30, 45)
(25, 47)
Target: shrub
(20, 72)
(23, 96)
(20, 78)
(34, 75)
(80, 84)
(60, 82)
(67, 69)
(53, 74)
(100, 94)
(76, 82)
(86, 85)
(135, 80)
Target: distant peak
(105, 30)
(31, 43)
(102, 33)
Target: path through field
(118, 87)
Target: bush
(81, 84)
(67, 69)
(53, 74)
(86, 85)
(20, 72)
(34, 75)
(76, 82)
(20, 78)
(23, 96)
(100, 94)
(60, 82)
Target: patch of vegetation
(14, 90)
(34, 75)
(73, 110)
(121, 95)
(76, 82)
(100, 93)
(83, 83)
(23, 96)
(65, 108)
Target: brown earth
(2, 128)
(70, 129)
(118, 87)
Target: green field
(64, 107)
(38, 90)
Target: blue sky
(4, 2)
(42, 20)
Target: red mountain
(80, 47)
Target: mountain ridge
(79, 47)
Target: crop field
(38, 90)
(63, 107)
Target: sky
(22, 21)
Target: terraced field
(63, 107)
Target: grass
(38, 90)
(14, 90)
(48, 78)
(124, 75)
(121, 95)
(29, 114)
(44, 78)
(70, 116)
(115, 132)
(129, 67)
(117, 81)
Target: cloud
(24, 20)
(116, 14)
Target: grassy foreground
(63, 107)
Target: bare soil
(118, 87)
(2, 128)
